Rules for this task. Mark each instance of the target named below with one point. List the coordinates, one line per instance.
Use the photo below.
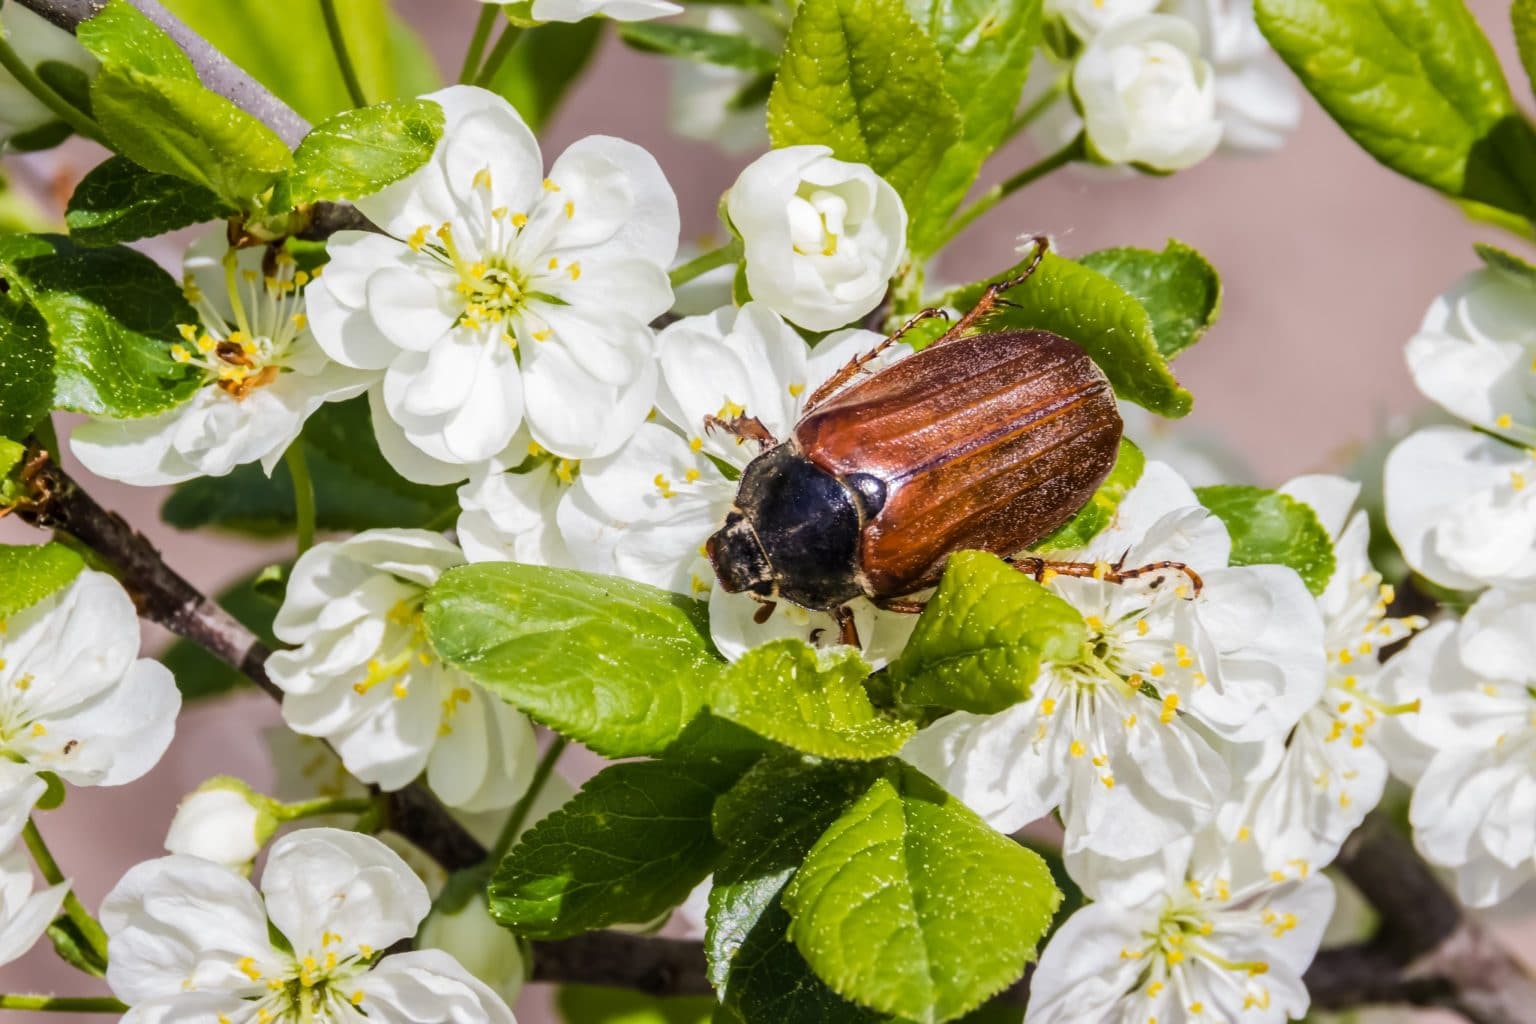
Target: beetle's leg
(847, 629)
(903, 605)
(1042, 570)
(993, 296)
(743, 428)
(854, 366)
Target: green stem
(997, 193)
(63, 1004)
(699, 265)
(343, 58)
(89, 927)
(303, 494)
(1032, 113)
(324, 805)
(519, 816)
(499, 54)
(476, 51)
(23, 73)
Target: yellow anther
(1099, 760)
(730, 410)
(574, 270)
(1170, 708)
(1130, 721)
(565, 470)
(1100, 570)
(542, 336)
(180, 354)
(418, 239)
(796, 390)
(664, 486)
(400, 691)
(1504, 421)
(1142, 629)
(1048, 707)
(39, 729)
(519, 220)
(1181, 653)
(695, 444)
(247, 967)
(187, 332)
(1199, 678)
(570, 209)
(483, 178)
(1077, 749)
(1196, 1007)
(1047, 575)
(1243, 834)
(300, 321)
(1094, 623)
(1109, 781)
(1517, 480)
(550, 186)
(691, 476)
(554, 263)
(1157, 670)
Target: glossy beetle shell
(989, 442)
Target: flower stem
(476, 51)
(1002, 190)
(325, 805)
(89, 928)
(1032, 113)
(703, 264)
(303, 494)
(23, 73)
(519, 816)
(63, 1004)
(343, 57)
(499, 54)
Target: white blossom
(1147, 96)
(822, 236)
(1470, 750)
(75, 698)
(36, 40)
(191, 940)
(24, 914)
(364, 675)
(485, 949)
(1257, 101)
(1085, 19)
(1314, 786)
(1186, 935)
(501, 296)
(260, 372)
(578, 10)
(1131, 742)
(645, 512)
(224, 821)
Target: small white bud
(224, 821)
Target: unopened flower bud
(224, 821)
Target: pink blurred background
(1328, 262)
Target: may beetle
(982, 441)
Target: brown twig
(163, 596)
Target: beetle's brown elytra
(985, 441)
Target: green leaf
(862, 77)
(119, 201)
(625, 849)
(769, 821)
(619, 666)
(26, 365)
(1505, 261)
(286, 48)
(1270, 528)
(120, 35)
(1081, 304)
(1522, 16)
(544, 65)
(111, 315)
(29, 573)
(986, 47)
(1093, 517)
(701, 45)
(585, 1004)
(1417, 85)
(1180, 290)
(979, 643)
(910, 904)
(200, 675)
(813, 701)
(358, 152)
(176, 127)
(355, 487)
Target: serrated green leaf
(986, 47)
(176, 127)
(355, 486)
(26, 365)
(1417, 85)
(813, 701)
(29, 573)
(628, 847)
(979, 643)
(1178, 287)
(200, 675)
(286, 48)
(358, 152)
(1093, 517)
(862, 77)
(912, 905)
(1506, 262)
(1270, 528)
(619, 666)
(120, 35)
(112, 315)
(698, 44)
(585, 1004)
(1083, 305)
(119, 201)
(544, 65)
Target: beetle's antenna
(993, 296)
(853, 367)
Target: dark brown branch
(165, 597)
(656, 966)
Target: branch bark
(163, 596)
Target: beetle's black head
(740, 562)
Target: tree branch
(165, 597)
